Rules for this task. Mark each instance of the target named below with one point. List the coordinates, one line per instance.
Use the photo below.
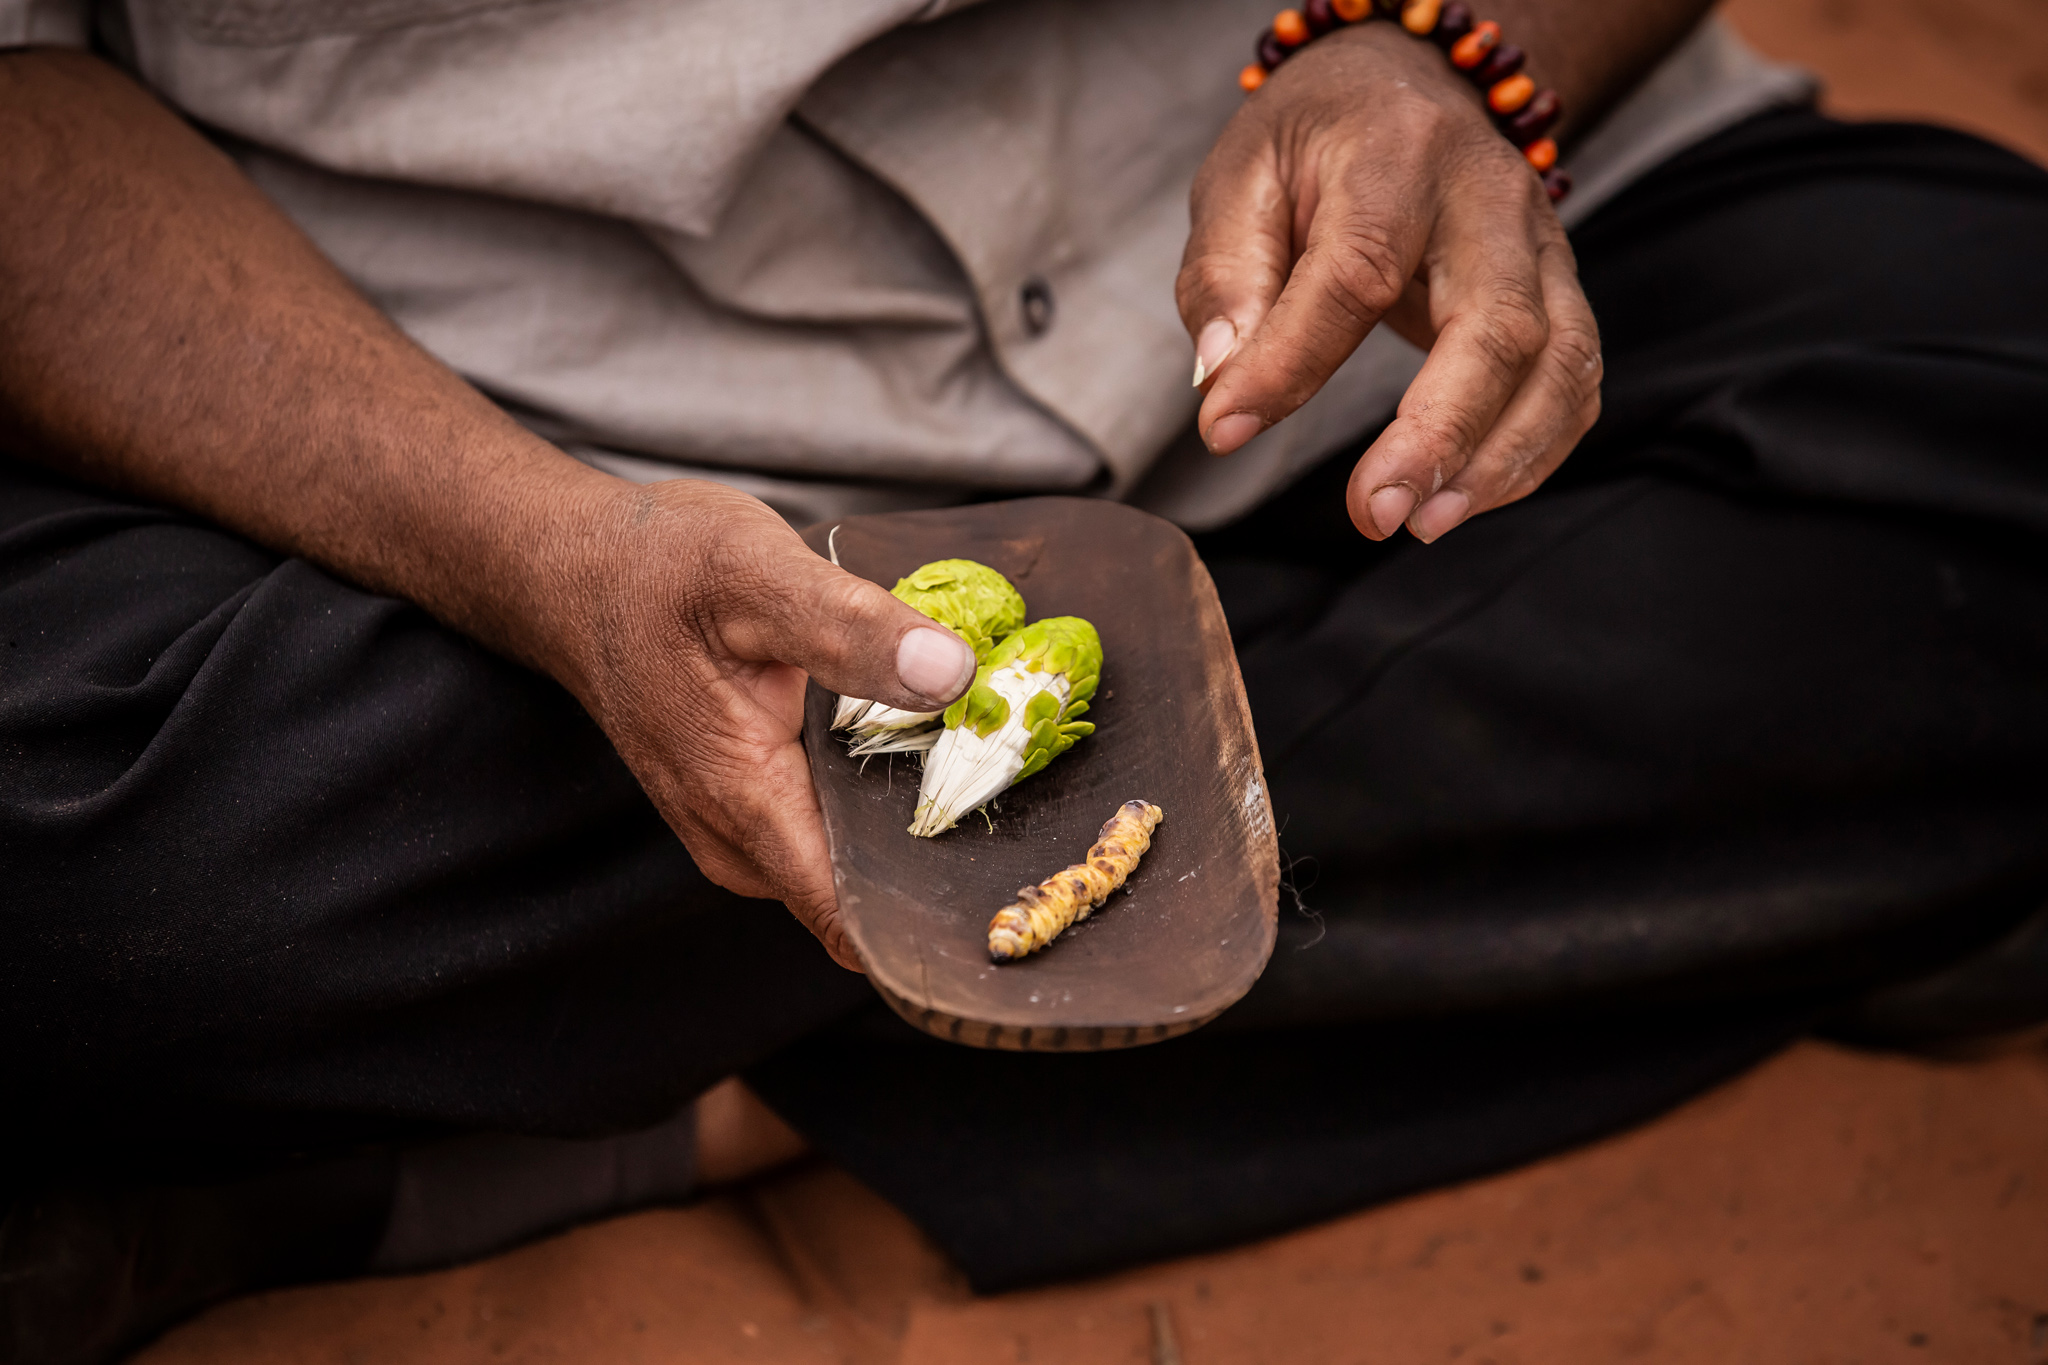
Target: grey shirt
(869, 254)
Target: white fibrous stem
(879, 729)
(880, 718)
(964, 770)
(894, 742)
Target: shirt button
(1036, 301)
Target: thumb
(1240, 250)
(853, 636)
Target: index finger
(791, 833)
(1240, 248)
(1357, 259)
(767, 824)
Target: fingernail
(1440, 514)
(934, 664)
(1391, 506)
(1213, 347)
(1228, 433)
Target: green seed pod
(1021, 713)
(1064, 646)
(972, 600)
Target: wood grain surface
(1195, 924)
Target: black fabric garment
(91, 1271)
(288, 864)
(1031, 1167)
(1593, 801)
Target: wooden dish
(1196, 924)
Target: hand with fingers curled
(689, 636)
(1364, 184)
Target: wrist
(602, 574)
(1437, 46)
(522, 557)
(1393, 52)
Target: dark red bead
(1454, 24)
(1387, 9)
(1503, 62)
(1321, 18)
(1557, 183)
(1272, 51)
(1535, 119)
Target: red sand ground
(1981, 65)
(1831, 1207)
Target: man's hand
(169, 332)
(700, 615)
(1362, 183)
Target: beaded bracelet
(1523, 113)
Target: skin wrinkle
(1375, 278)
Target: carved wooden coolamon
(1196, 924)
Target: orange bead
(1290, 28)
(1351, 11)
(1419, 16)
(1251, 78)
(1542, 153)
(1511, 94)
(1470, 50)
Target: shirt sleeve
(45, 23)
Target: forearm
(1592, 52)
(167, 331)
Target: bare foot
(738, 1136)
